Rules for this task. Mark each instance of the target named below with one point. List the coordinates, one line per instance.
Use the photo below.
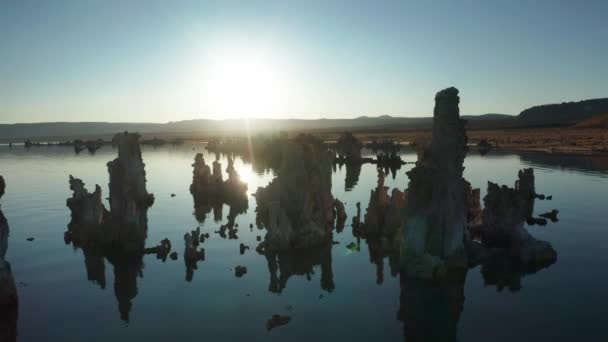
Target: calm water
(564, 302)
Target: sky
(160, 61)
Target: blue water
(564, 302)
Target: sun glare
(243, 83)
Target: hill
(599, 121)
(565, 113)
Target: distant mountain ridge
(563, 114)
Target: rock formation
(129, 199)
(436, 212)
(349, 148)
(2, 186)
(505, 212)
(297, 206)
(126, 222)
(209, 190)
(8, 291)
(87, 208)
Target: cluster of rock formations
(444, 226)
(505, 212)
(297, 207)
(211, 191)
(9, 301)
(125, 224)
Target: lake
(345, 293)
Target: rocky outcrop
(505, 212)
(436, 212)
(297, 206)
(8, 291)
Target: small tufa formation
(87, 209)
(436, 214)
(297, 206)
(505, 212)
(210, 191)
(277, 321)
(204, 183)
(349, 148)
(383, 214)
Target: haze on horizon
(160, 61)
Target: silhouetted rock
(161, 251)
(2, 186)
(297, 206)
(129, 199)
(277, 321)
(551, 215)
(436, 212)
(349, 148)
(240, 271)
(210, 191)
(505, 211)
(9, 301)
(87, 209)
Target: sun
(243, 83)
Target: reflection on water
(360, 286)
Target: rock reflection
(430, 310)
(127, 266)
(283, 265)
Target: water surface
(338, 295)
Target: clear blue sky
(158, 61)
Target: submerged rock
(277, 321)
(297, 206)
(240, 271)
